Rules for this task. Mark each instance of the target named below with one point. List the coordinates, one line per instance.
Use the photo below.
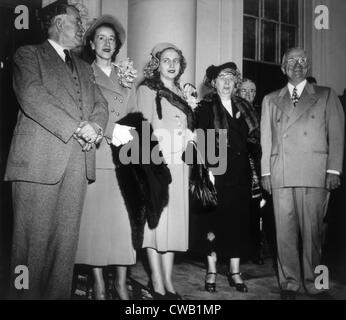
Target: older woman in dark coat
(228, 225)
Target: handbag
(202, 192)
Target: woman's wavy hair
(88, 53)
(151, 69)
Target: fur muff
(144, 186)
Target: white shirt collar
(300, 87)
(58, 48)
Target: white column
(219, 35)
(154, 21)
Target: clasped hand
(87, 135)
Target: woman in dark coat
(228, 225)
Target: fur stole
(144, 186)
(173, 99)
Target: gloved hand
(121, 135)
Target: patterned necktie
(295, 97)
(68, 59)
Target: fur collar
(172, 98)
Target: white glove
(211, 177)
(121, 135)
(262, 203)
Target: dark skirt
(230, 221)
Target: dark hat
(106, 19)
(212, 72)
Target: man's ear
(283, 69)
(59, 23)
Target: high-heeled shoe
(210, 286)
(240, 286)
(156, 295)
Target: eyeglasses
(303, 61)
(225, 77)
(248, 90)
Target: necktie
(68, 59)
(295, 97)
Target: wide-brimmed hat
(163, 46)
(212, 72)
(106, 19)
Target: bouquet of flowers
(190, 95)
(126, 72)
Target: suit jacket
(121, 101)
(50, 111)
(300, 144)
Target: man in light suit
(302, 139)
(62, 114)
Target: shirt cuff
(334, 172)
(265, 174)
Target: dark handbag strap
(199, 155)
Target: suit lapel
(110, 83)
(59, 68)
(283, 101)
(101, 78)
(306, 101)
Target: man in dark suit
(62, 114)
(302, 138)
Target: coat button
(313, 117)
(115, 98)
(285, 135)
(112, 110)
(120, 100)
(117, 114)
(305, 133)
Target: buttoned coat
(51, 109)
(299, 144)
(121, 101)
